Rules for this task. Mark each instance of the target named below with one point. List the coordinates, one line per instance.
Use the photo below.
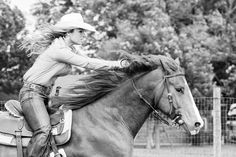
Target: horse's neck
(131, 108)
(123, 106)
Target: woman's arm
(67, 56)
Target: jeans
(35, 112)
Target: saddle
(14, 128)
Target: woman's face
(78, 36)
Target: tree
(12, 61)
(222, 21)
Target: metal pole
(216, 121)
(157, 136)
(149, 133)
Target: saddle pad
(61, 137)
(10, 124)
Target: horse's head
(176, 100)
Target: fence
(216, 139)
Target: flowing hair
(42, 39)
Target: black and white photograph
(117, 78)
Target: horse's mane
(89, 88)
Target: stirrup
(56, 152)
(58, 155)
(61, 153)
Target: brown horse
(115, 104)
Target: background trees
(12, 62)
(201, 33)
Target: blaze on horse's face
(184, 110)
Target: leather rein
(176, 118)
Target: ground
(186, 151)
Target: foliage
(12, 61)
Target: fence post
(157, 136)
(216, 121)
(149, 133)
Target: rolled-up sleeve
(67, 56)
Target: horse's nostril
(197, 124)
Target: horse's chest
(100, 142)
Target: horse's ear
(162, 65)
(177, 60)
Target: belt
(41, 88)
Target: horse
(110, 106)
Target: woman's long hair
(42, 39)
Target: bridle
(175, 117)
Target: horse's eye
(180, 90)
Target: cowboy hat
(72, 21)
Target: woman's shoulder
(59, 43)
(57, 46)
(58, 50)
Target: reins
(149, 104)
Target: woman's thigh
(34, 110)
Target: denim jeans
(35, 112)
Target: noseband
(175, 117)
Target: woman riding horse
(55, 47)
(116, 103)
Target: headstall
(175, 117)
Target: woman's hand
(124, 63)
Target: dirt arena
(185, 151)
